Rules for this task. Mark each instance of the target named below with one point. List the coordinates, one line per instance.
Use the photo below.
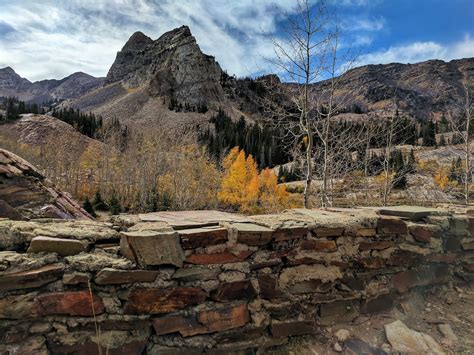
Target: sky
(46, 39)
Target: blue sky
(54, 38)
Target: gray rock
(405, 340)
(63, 247)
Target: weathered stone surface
(63, 247)
(319, 245)
(294, 276)
(366, 232)
(252, 234)
(98, 260)
(196, 273)
(19, 307)
(289, 233)
(405, 280)
(235, 291)
(375, 245)
(338, 312)
(405, 340)
(442, 258)
(328, 231)
(414, 213)
(215, 320)
(423, 233)
(282, 329)
(157, 349)
(7, 211)
(164, 300)
(31, 278)
(448, 333)
(152, 248)
(268, 285)
(32, 345)
(202, 237)
(467, 243)
(76, 278)
(217, 258)
(109, 276)
(378, 304)
(74, 303)
(389, 225)
(357, 346)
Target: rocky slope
(72, 86)
(25, 193)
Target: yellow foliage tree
(441, 179)
(245, 189)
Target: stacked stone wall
(215, 283)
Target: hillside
(72, 86)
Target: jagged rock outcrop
(72, 86)
(172, 66)
(25, 193)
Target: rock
(217, 258)
(289, 233)
(19, 307)
(202, 237)
(163, 300)
(375, 245)
(389, 225)
(467, 243)
(268, 286)
(33, 345)
(252, 234)
(73, 303)
(235, 291)
(63, 247)
(291, 277)
(215, 320)
(319, 245)
(342, 335)
(152, 248)
(76, 278)
(196, 273)
(366, 232)
(338, 312)
(110, 276)
(31, 278)
(97, 260)
(281, 329)
(337, 347)
(378, 304)
(322, 232)
(26, 191)
(414, 213)
(448, 333)
(405, 340)
(405, 280)
(359, 347)
(424, 232)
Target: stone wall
(216, 283)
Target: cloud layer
(54, 38)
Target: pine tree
(98, 203)
(114, 205)
(89, 208)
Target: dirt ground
(422, 312)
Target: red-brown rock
(282, 234)
(329, 231)
(253, 234)
(202, 237)
(405, 280)
(389, 225)
(76, 278)
(215, 320)
(109, 276)
(442, 258)
(364, 246)
(292, 327)
(31, 278)
(164, 300)
(319, 245)
(422, 233)
(237, 290)
(217, 258)
(268, 287)
(378, 304)
(74, 303)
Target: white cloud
(421, 51)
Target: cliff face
(172, 66)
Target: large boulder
(25, 193)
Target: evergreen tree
(429, 134)
(89, 208)
(114, 205)
(98, 203)
(442, 141)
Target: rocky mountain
(70, 87)
(422, 89)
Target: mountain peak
(137, 41)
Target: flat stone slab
(414, 213)
(152, 248)
(110, 276)
(31, 278)
(253, 234)
(191, 219)
(63, 247)
(202, 237)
